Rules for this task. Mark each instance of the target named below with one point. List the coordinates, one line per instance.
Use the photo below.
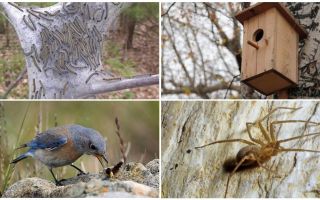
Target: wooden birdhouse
(270, 47)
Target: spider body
(254, 153)
(258, 152)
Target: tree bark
(189, 172)
(308, 16)
(63, 46)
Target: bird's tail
(21, 157)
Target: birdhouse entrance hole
(258, 35)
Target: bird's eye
(92, 147)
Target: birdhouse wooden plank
(270, 47)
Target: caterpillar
(43, 16)
(112, 79)
(68, 68)
(36, 95)
(35, 11)
(88, 10)
(26, 22)
(33, 25)
(97, 33)
(65, 88)
(33, 14)
(34, 85)
(58, 39)
(77, 22)
(35, 52)
(45, 28)
(35, 63)
(74, 29)
(88, 79)
(42, 86)
(75, 26)
(15, 5)
(50, 14)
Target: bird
(63, 145)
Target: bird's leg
(77, 168)
(58, 183)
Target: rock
(153, 166)
(137, 172)
(133, 180)
(29, 188)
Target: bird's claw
(81, 173)
(59, 183)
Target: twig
(124, 157)
(15, 83)
(168, 9)
(230, 85)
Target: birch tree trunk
(63, 47)
(309, 55)
(188, 172)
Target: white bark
(63, 47)
(200, 173)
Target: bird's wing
(48, 140)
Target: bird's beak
(102, 158)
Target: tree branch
(15, 83)
(203, 89)
(97, 87)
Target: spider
(259, 151)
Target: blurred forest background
(131, 49)
(201, 50)
(20, 122)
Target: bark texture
(309, 55)
(63, 47)
(199, 172)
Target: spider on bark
(260, 151)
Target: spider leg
(278, 108)
(289, 121)
(293, 121)
(265, 132)
(234, 170)
(249, 124)
(266, 168)
(301, 150)
(224, 141)
(297, 137)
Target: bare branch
(168, 9)
(98, 87)
(15, 83)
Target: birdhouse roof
(259, 8)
